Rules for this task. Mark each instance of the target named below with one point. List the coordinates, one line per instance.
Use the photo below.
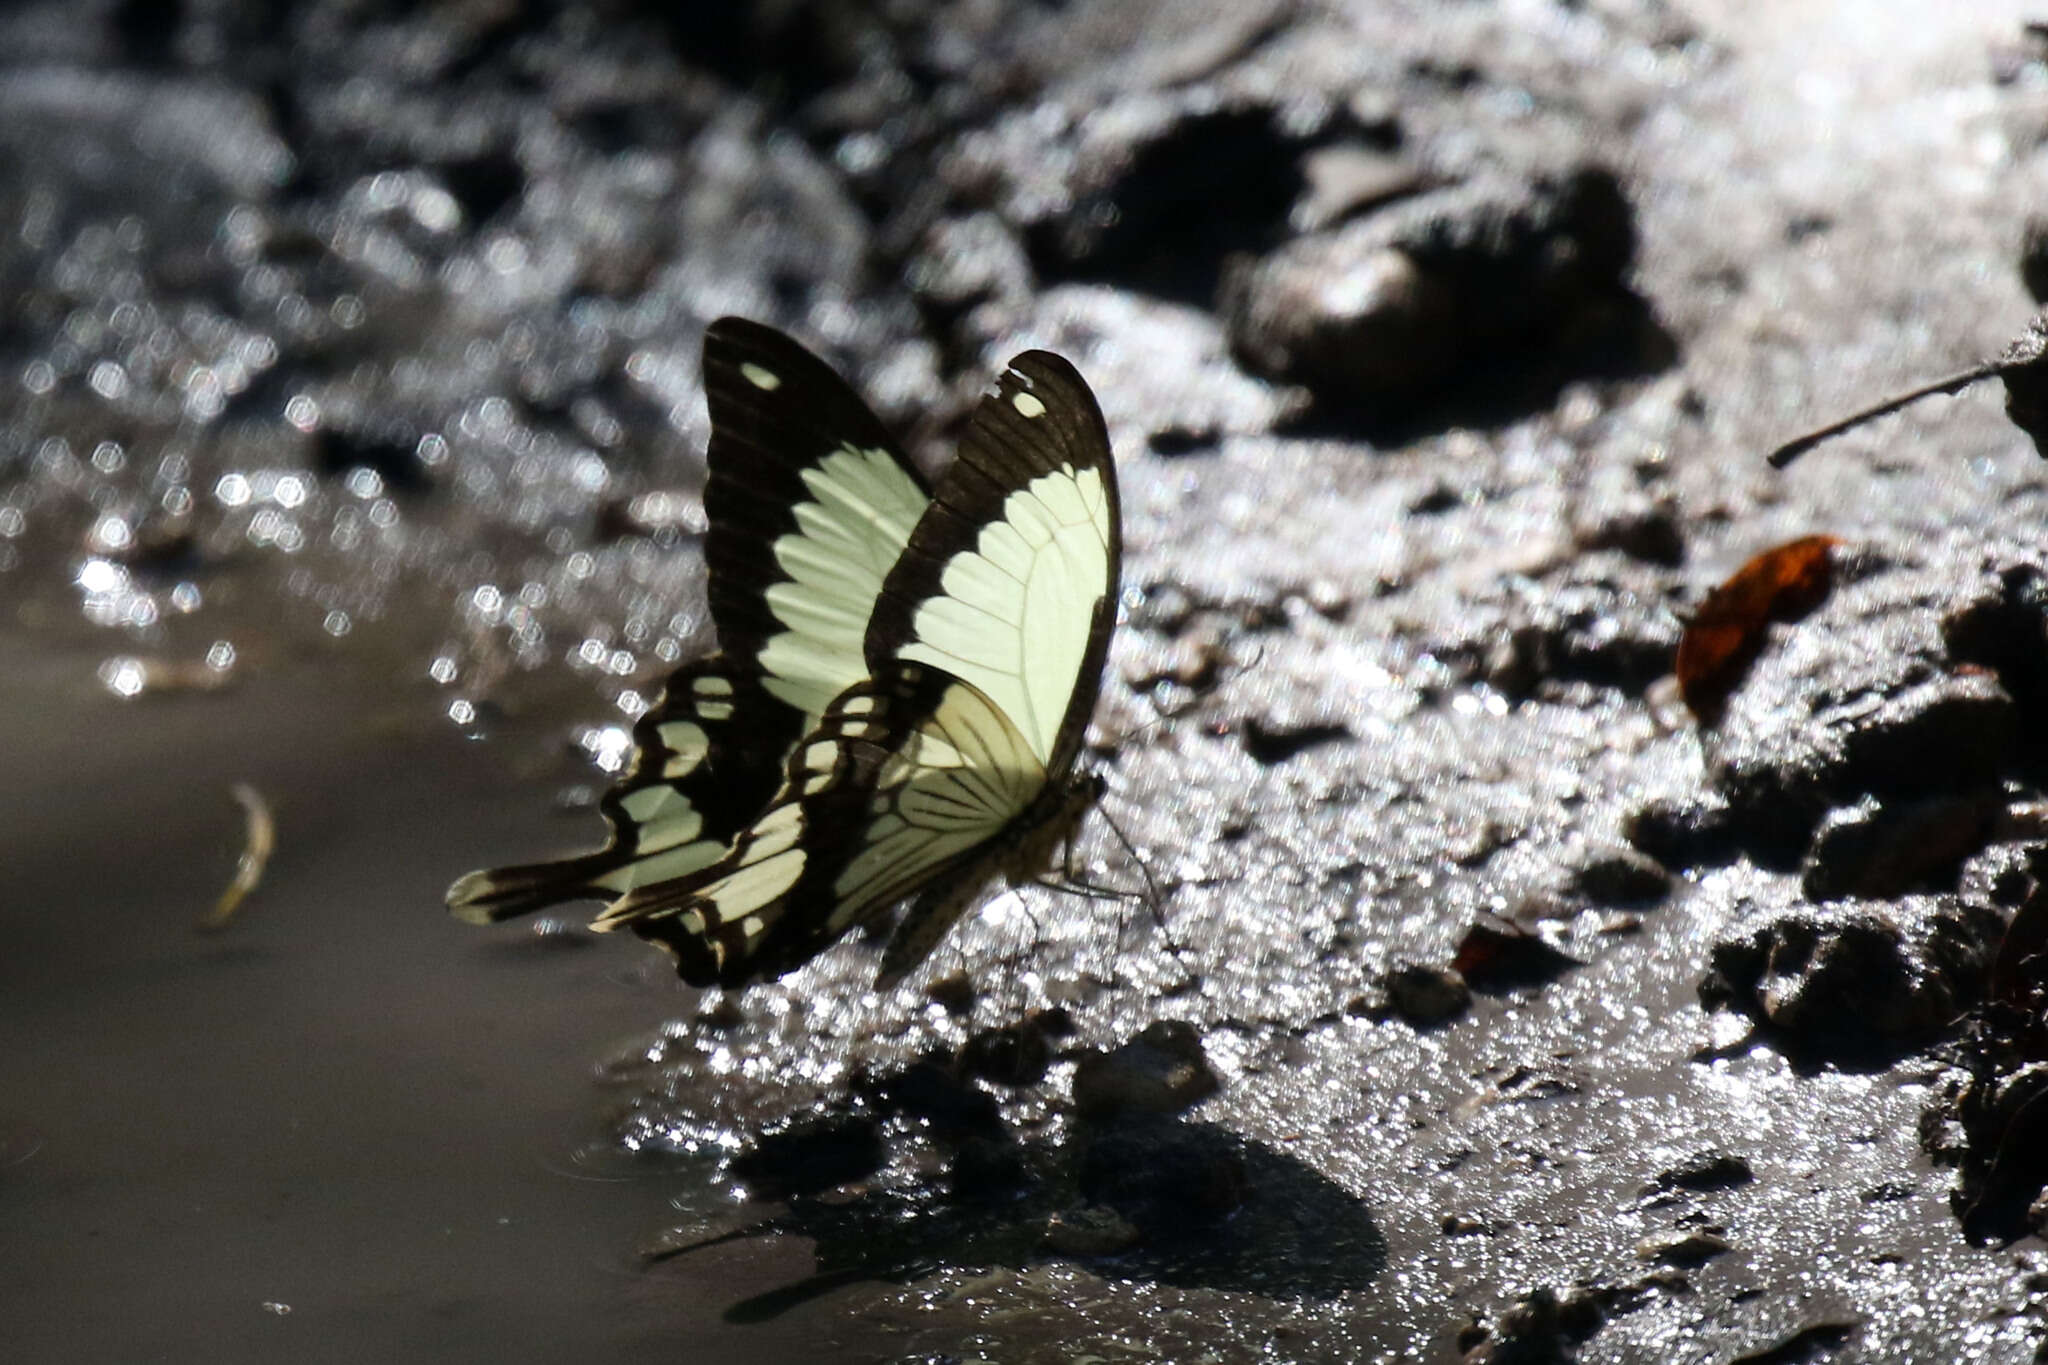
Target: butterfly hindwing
(909, 776)
(690, 786)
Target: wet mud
(1498, 1007)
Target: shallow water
(346, 1127)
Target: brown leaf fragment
(1724, 637)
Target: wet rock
(989, 1169)
(1595, 620)
(1875, 850)
(1989, 1115)
(1161, 1071)
(1193, 661)
(1622, 877)
(1854, 983)
(810, 1157)
(1705, 1171)
(1862, 697)
(1688, 1250)
(967, 263)
(1642, 527)
(1547, 1326)
(1425, 995)
(1391, 307)
(1166, 1177)
(2001, 623)
(1015, 1055)
(1495, 956)
(1683, 832)
(1349, 179)
(1820, 1341)
(935, 1092)
(1091, 1230)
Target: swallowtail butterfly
(904, 679)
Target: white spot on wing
(761, 379)
(1027, 403)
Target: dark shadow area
(1618, 338)
(1148, 1197)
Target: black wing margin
(762, 442)
(1001, 452)
(694, 781)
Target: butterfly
(904, 678)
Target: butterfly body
(904, 682)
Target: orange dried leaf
(1723, 638)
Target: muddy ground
(350, 449)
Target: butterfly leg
(1155, 903)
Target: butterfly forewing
(809, 504)
(1010, 579)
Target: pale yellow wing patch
(849, 535)
(1013, 614)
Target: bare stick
(1955, 383)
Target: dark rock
(1688, 1250)
(2002, 624)
(1622, 877)
(390, 449)
(1704, 1172)
(2034, 259)
(1861, 698)
(954, 993)
(1269, 742)
(1642, 526)
(1425, 995)
(1596, 620)
(1683, 832)
(989, 1169)
(1854, 983)
(811, 1156)
(1089, 1231)
(1875, 850)
(1166, 1177)
(1498, 957)
(933, 1091)
(1161, 1071)
(1389, 309)
(1544, 1327)
(1152, 189)
(1016, 1055)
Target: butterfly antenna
(1955, 383)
